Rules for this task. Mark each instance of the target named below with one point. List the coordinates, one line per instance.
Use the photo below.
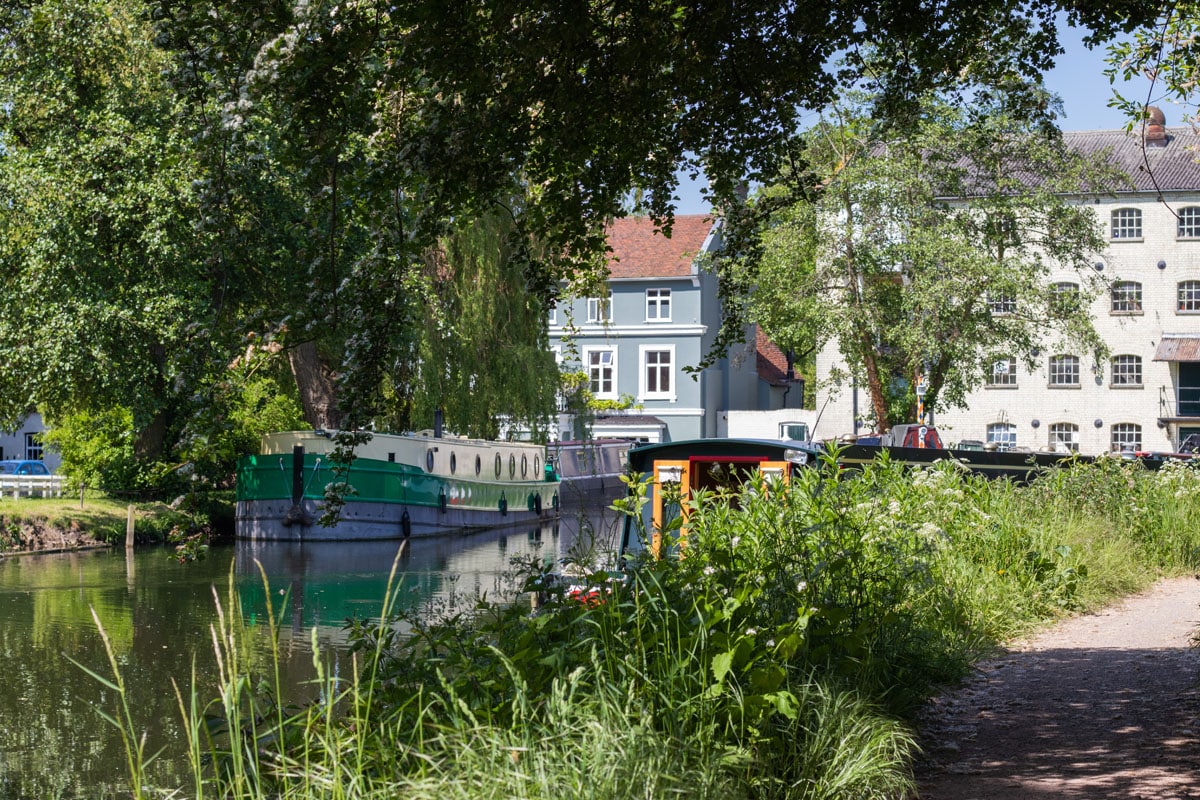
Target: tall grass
(776, 656)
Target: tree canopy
(180, 179)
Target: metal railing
(31, 485)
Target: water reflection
(157, 613)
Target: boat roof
(641, 458)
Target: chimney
(1154, 127)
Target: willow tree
(926, 255)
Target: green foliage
(868, 248)
(98, 451)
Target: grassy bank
(103, 519)
(779, 657)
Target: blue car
(21, 467)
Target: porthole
(512, 466)
(478, 465)
(429, 460)
(498, 462)
(537, 466)
(453, 463)
(524, 466)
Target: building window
(602, 372)
(1001, 303)
(1004, 372)
(1189, 296)
(1189, 223)
(1126, 224)
(599, 309)
(1064, 435)
(657, 365)
(1004, 434)
(1064, 298)
(1126, 436)
(1127, 297)
(1127, 371)
(1064, 370)
(658, 305)
(33, 446)
(552, 318)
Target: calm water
(54, 744)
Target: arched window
(1126, 370)
(1064, 435)
(1126, 224)
(1126, 297)
(1189, 223)
(1004, 434)
(1126, 436)
(1064, 297)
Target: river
(157, 613)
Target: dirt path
(1101, 706)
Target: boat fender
(554, 501)
(537, 504)
(503, 505)
(529, 501)
(297, 514)
(442, 500)
(406, 524)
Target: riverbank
(56, 524)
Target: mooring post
(129, 530)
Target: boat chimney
(439, 421)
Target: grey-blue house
(661, 315)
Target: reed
(779, 657)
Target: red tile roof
(640, 251)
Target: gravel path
(1101, 706)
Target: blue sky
(1078, 79)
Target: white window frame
(1002, 303)
(588, 367)
(1125, 225)
(1064, 433)
(644, 352)
(1187, 297)
(1007, 378)
(1126, 436)
(596, 305)
(1125, 370)
(658, 301)
(1189, 223)
(1126, 298)
(1062, 367)
(1004, 434)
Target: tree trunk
(317, 385)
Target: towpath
(1100, 706)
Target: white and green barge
(403, 485)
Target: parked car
(23, 467)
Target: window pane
(1126, 436)
(658, 371)
(1189, 223)
(1004, 372)
(1127, 370)
(1064, 371)
(1126, 297)
(1189, 296)
(1004, 434)
(1064, 435)
(1127, 223)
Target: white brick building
(1146, 395)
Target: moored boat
(402, 485)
